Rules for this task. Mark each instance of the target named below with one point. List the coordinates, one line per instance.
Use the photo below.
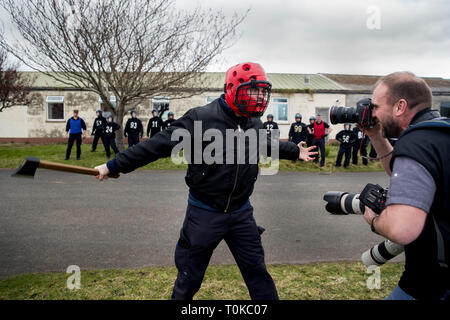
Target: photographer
(417, 212)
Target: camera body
(373, 196)
(361, 114)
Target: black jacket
(168, 123)
(110, 129)
(359, 134)
(99, 124)
(154, 126)
(346, 137)
(134, 127)
(423, 278)
(269, 126)
(225, 187)
(298, 132)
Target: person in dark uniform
(310, 129)
(298, 131)
(169, 121)
(97, 130)
(346, 139)
(358, 146)
(218, 205)
(270, 125)
(320, 132)
(155, 124)
(373, 153)
(133, 129)
(77, 127)
(110, 136)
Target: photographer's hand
(369, 215)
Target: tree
(14, 87)
(133, 50)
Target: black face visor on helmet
(252, 98)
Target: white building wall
(32, 122)
(14, 122)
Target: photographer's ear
(400, 107)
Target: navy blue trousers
(132, 140)
(202, 231)
(72, 138)
(347, 151)
(320, 144)
(356, 149)
(95, 141)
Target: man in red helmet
(218, 207)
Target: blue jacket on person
(75, 126)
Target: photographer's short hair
(406, 85)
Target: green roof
(216, 80)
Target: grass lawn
(329, 281)
(12, 155)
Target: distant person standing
(110, 136)
(346, 139)
(310, 129)
(298, 131)
(359, 145)
(320, 133)
(75, 128)
(169, 121)
(133, 129)
(97, 130)
(155, 124)
(270, 125)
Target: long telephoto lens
(343, 203)
(343, 115)
(381, 253)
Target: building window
(55, 108)
(113, 101)
(280, 109)
(324, 113)
(162, 105)
(307, 80)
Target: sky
(341, 36)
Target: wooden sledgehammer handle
(69, 168)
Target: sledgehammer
(29, 166)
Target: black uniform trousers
(202, 231)
(110, 142)
(373, 152)
(320, 144)
(72, 138)
(344, 150)
(95, 141)
(355, 152)
(133, 139)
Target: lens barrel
(343, 115)
(381, 253)
(343, 203)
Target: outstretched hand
(306, 154)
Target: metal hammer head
(27, 168)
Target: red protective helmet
(247, 90)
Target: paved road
(57, 220)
